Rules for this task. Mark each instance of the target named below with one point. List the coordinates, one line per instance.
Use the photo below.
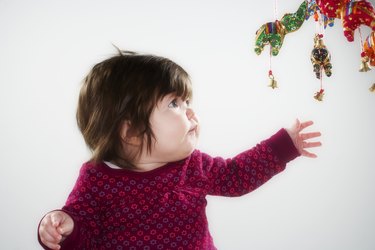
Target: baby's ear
(129, 135)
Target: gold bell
(273, 83)
(364, 65)
(372, 88)
(319, 95)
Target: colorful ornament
(320, 57)
(368, 50)
(352, 14)
(313, 9)
(330, 8)
(273, 33)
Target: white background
(47, 47)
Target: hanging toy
(273, 33)
(352, 14)
(368, 51)
(320, 57)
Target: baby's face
(176, 129)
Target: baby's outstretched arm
(299, 139)
(54, 228)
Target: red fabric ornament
(352, 14)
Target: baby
(145, 186)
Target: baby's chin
(190, 151)
(185, 154)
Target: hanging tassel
(272, 81)
(320, 94)
(372, 88)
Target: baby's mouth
(193, 129)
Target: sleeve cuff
(283, 146)
(71, 241)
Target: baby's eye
(187, 102)
(173, 104)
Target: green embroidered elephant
(273, 33)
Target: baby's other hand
(299, 139)
(54, 228)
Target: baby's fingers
(303, 125)
(50, 238)
(56, 219)
(306, 136)
(50, 243)
(311, 144)
(48, 225)
(308, 154)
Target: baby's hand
(299, 139)
(54, 228)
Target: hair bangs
(182, 87)
(176, 81)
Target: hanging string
(275, 9)
(270, 62)
(273, 82)
(361, 40)
(319, 26)
(321, 78)
(319, 95)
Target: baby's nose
(190, 114)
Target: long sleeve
(84, 208)
(250, 169)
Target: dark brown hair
(125, 87)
